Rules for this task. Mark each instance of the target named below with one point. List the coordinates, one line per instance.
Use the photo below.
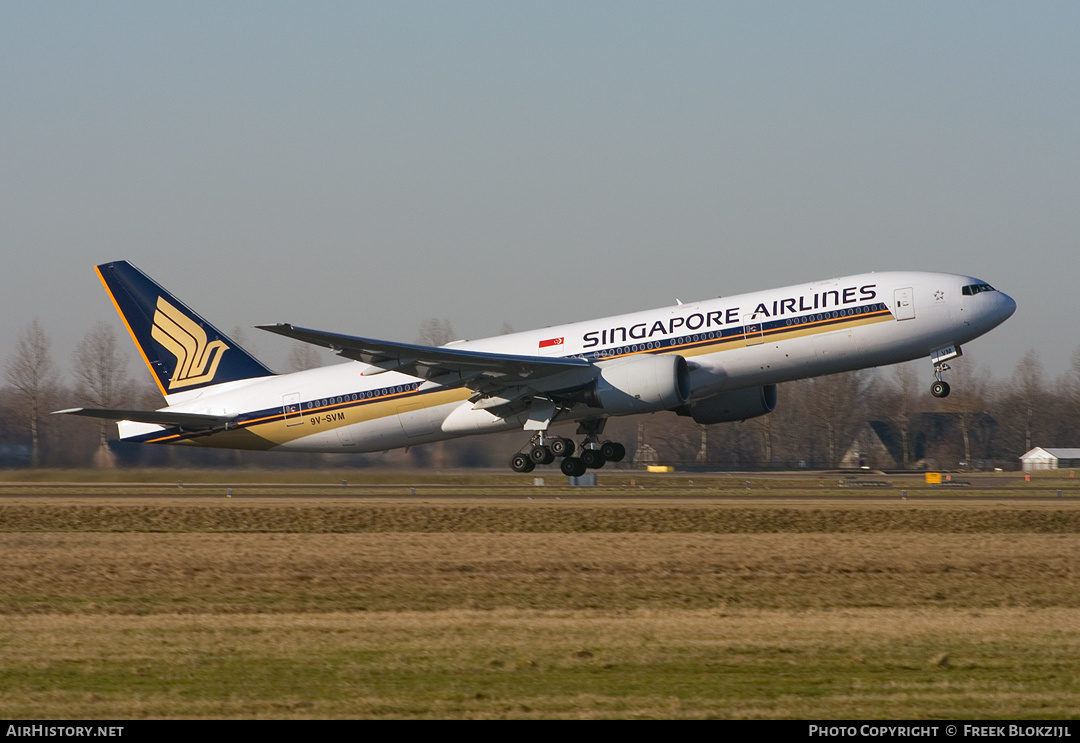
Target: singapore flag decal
(551, 342)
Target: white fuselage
(730, 343)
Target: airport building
(1050, 459)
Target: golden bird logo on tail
(185, 340)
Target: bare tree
(764, 426)
(1024, 406)
(435, 332)
(907, 385)
(1072, 378)
(787, 432)
(239, 336)
(966, 402)
(1067, 409)
(100, 371)
(675, 439)
(834, 408)
(30, 371)
(302, 356)
(898, 401)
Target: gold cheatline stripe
(280, 417)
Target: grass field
(115, 608)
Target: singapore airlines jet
(715, 361)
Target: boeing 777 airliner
(715, 361)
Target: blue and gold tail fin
(183, 350)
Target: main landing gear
(545, 450)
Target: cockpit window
(976, 288)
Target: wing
(488, 373)
(158, 417)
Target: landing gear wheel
(541, 455)
(561, 447)
(521, 463)
(593, 459)
(572, 467)
(613, 451)
(939, 389)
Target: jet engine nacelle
(644, 384)
(737, 405)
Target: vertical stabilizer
(183, 350)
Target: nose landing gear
(940, 388)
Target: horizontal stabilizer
(157, 417)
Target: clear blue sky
(359, 167)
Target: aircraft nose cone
(1007, 308)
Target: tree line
(878, 418)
